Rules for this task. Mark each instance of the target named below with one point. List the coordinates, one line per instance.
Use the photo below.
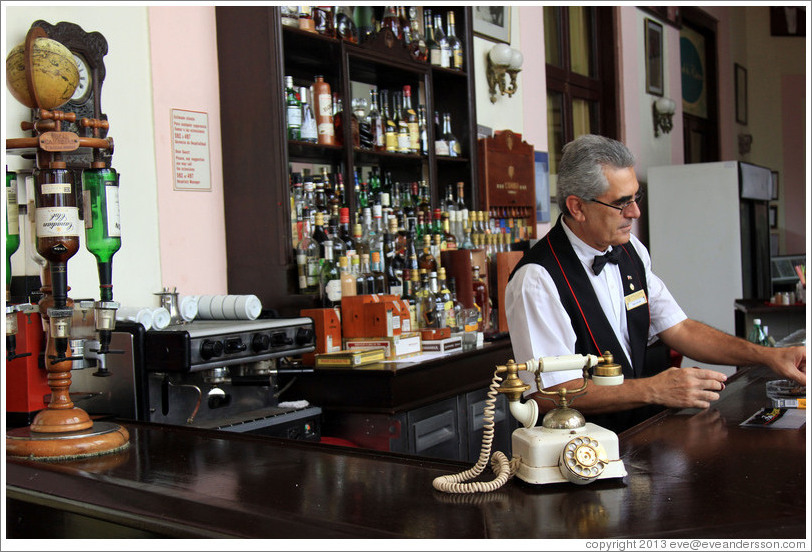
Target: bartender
(587, 287)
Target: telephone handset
(564, 448)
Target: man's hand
(788, 362)
(686, 387)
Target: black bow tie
(600, 261)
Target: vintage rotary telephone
(564, 448)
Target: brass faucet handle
(512, 386)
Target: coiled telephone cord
(502, 467)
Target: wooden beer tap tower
(61, 431)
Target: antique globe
(54, 71)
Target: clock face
(85, 80)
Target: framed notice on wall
(190, 150)
(694, 73)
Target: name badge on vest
(634, 300)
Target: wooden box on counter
(507, 178)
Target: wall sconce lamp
(663, 110)
(502, 60)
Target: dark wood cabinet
(255, 53)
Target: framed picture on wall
(654, 58)
(492, 22)
(741, 93)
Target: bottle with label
(409, 296)
(306, 22)
(481, 298)
(361, 245)
(390, 123)
(391, 21)
(417, 44)
(412, 123)
(441, 53)
(423, 130)
(344, 234)
(393, 263)
(102, 222)
(57, 219)
(427, 260)
(757, 334)
(376, 122)
(290, 16)
(363, 16)
(428, 29)
(454, 148)
(462, 209)
(376, 268)
(403, 141)
(323, 99)
(454, 43)
(309, 131)
(293, 108)
(365, 284)
(12, 224)
(319, 235)
(447, 300)
(329, 279)
(348, 287)
(449, 239)
(427, 303)
(307, 258)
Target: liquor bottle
(339, 247)
(323, 21)
(412, 122)
(447, 300)
(361, 110)
(319, 235)
(390, 123)
(307, 258)
(376, 230)
(441, 54)
(454, 148)
(344, 234)
(293, 108)
(411, 246)
(756, 334)
(377, 273)
(467, 241)
(423, 130)
(428, 29)
(329, 279)
(57, 219)
(405, 28)
(392, 22)
(458, 308)
(338, 119)
(12, 224)
(403, 141)
(376, 122)
(324, 111)
(462, 209)
(309, 131)
(358, 282)
(454, 43)
(345, 25)
(361, 245)
(417, 44)
(449, 238)
(481, 298)
(366, 281)
(306, 22)
(374, 187)
(102, 222)
(440, 143)
(427, 303)
(363, 195)
(320, 198)
(426, 259)
(423, 200)
(390, 255)
(348, 286)
(410, 297)
(363, 16)
(439, 301)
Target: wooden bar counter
(691, 474)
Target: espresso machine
(208, 374)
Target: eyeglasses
(623, 206)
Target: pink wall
(534, 77)
(192, 225)
(793, 179)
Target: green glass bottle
(12, 223)
(102, 222)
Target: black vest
(593, 331)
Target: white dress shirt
(539, 326)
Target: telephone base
(539, 449)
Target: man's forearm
(706, 344)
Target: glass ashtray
(785, 389)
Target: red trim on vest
(594, 342)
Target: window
(581, 83)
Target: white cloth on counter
(294, 404)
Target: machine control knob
(210, 349)
(305, 336)
(280, 339)
(260, 342)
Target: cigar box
(396, 347)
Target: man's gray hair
(580, 172)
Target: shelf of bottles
(380, 150)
